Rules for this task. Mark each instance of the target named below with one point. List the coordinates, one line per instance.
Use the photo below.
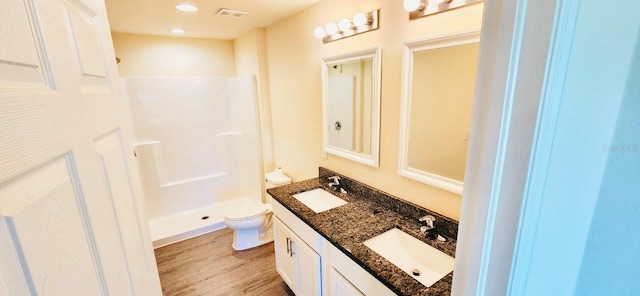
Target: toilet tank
(276, 178)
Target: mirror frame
(449, 40)
(374, 54)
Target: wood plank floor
(208, 265)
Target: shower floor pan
(177, 227)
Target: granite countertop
(348, 226)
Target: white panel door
(70, 204)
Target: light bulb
(319, 32)
(177, 31)
(360, 19)
(345, 24)
(413, 5)
(186, 7)
(331, 28)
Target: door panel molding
(86, 43)
(45, 208)
(111, 151)
(27, 69)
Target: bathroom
(285, 59)
(295, 95)
(266, 53)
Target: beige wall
(144, 55)
(251, 60)
(294, 61)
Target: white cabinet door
(339, 286)
(69, 197)
(309, 276)
(285, 262)
(296, 262)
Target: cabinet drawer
(340, 286)
(352, 272)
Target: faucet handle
(335, 179)
(429, 220)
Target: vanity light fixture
(319, 32)
(177, 31)
(331, 28)
(360, 23)
(422, 8)
(345, 24)
(186, 7)
(439, 1)
(413, 5)
(361, 19)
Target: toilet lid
(245, 210)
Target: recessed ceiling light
(186, 7)
(177, 31)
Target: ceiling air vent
(230, 12)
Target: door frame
(522, 42)
(525, 50)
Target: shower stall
(197, 145)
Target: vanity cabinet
(296, 262)
(311, 265)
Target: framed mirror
(351, 105)
(437, 97)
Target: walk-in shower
(197, 145)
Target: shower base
(177, 227)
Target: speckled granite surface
(369, 213)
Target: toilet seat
(246, 211)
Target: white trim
(503, 140)
(441, 182)
(448, 40)
(145, 143)
(80, 197)
(551, 100)
(512, 66)
(375, 54)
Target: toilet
(251, 221)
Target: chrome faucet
(336, 181)
(336, 184)
(430, 228)
(428, 219)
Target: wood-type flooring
(207, 265)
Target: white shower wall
(196, 140)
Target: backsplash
(446, 226)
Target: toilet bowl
(251, 221)
(251, 224)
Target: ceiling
(156, 17)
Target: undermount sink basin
(411, 255)
(319, 200)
